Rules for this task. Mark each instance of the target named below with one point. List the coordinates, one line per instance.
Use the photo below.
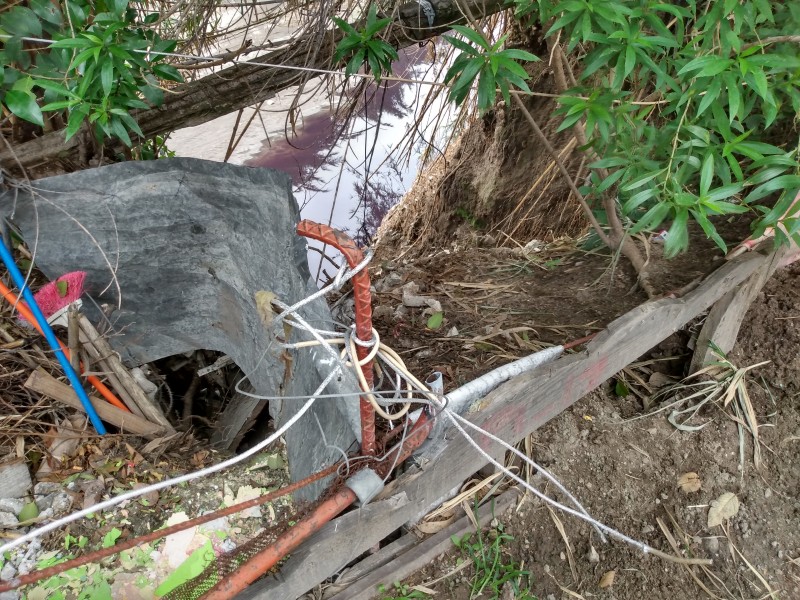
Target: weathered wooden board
(514, 410)
(40, 381)
(424, 552)
(726, 316)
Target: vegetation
(102, 63)
(684, 110)
(493, 572)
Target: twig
(567, 177)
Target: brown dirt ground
(625, 470)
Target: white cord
(595, 523)
(111, 502)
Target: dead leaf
(607, 580)
(264, 308)
(722, 509)
(689, 482)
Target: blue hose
(19, 281)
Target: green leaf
(46, 10)
(76, 118)
(711, 95)
(709, 229)
(473, 36)
(376, 27)
(637, 200)
(610, 180)
(435, 320)
(23, 104)
(119, 130)
(652, 218)
(517, 54)
(107, 76)
(467, 77)
(678, 235)
(189, 569)
(21, 21)
(462, 45)
(62, 287)
(345, 26)
(111, 537)
(706, 174)
(28, 512)
(486, 93)
(620, 389)
(640, 181)
(782, 183)
(725, 191)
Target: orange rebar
(262, 562)
(14, 300)
(363, 306)
(268, 558)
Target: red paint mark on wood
(508, 424)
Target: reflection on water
(349, 174)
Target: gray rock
(12, 505)
(61, 503)
(8, 519)
(711, 544)
(192, 242)
(8, 571)
(46, 487)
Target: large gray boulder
(178, 248)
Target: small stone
(8, 519)
(8, 572)
(744, 526)
(12, 505)
(46, 487)
(648, 529)
(711, 544)
(768, 493)
(652, 431)
(61, 503)
(563, 556)
(774, 544)
(592, 556)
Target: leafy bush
(98, 66)
(686, 106)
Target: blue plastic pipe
(19, 281)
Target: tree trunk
(240, 86)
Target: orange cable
(14, 300)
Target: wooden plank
(726, 316)
(425, 551)
(15, 479)
(519, 407)
(331, 548)
(42, 382)
(125, 384)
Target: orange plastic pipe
(14, 300)
(268, 558)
